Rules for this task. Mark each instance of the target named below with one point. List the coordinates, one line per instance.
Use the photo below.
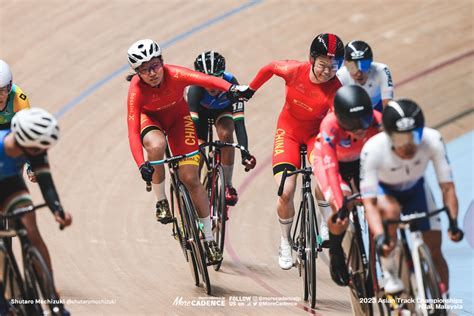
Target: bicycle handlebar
(220, 144)
(286, 174)
(169, 160)
(410, 218)
(19, 212)
(344, 211)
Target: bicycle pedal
(165, 221)
(325, 244)
(209, 263)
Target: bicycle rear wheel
(39, 282)
(431, 281)
(192, 227)
(181, 235)
(218, 209)
(311, 251)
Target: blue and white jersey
(379, 85)
(219, 101)
(9, 166)
(380, 165)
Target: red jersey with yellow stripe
(165, 106)
(304, 99)
(306, 104)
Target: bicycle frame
(306, 241)
(187, 227)
(31, 270)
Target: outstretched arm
(40, 166)
(279, 68)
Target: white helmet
(5, 74)
(35, 127)
(142, 51)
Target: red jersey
(168, 95)
(304, 100)
(338, 145)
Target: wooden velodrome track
(69, 57)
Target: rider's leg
(286, 156)
(225, 131)
(154, 142)
(189, 175)
(432, 238)
(322, 185)
(286, 213)
(390, 209)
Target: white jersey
(379, 85)
(380, 164)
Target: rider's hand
(381, 247)
(239, 92)
(31, 175)
(455, 237)
(249, 162)
(147, 171)
(64, 222)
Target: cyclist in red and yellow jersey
(158, 115)
(310, 89)
(12, 98)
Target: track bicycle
(361, 262)
(417, 270)
(186, 229)
(306, 241)
(31, 293)
(214, 182)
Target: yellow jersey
(16, 101)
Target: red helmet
(327, 44)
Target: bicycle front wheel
(191, 224)
(39, 282)
(218, 209)
(431, 281)
(12, 285)
(361, 300)
(311, 247)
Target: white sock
(159, 190)
(285, 226)
(284, 241)
(206, 229)
(325, 209)
(228, 171)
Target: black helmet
(211, 63)
(402, 116)
(357, 50)
(327, 44)
(353, 108)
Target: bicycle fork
(415, 255)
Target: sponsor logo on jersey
(327, 162)
(389, 77)
(302, 105)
